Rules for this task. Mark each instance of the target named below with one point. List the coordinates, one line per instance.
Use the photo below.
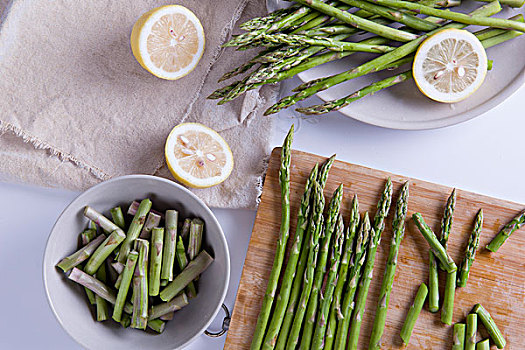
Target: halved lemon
(450, 65)
(168, 41)
(198, 156)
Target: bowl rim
(155, 178)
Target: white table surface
(484, 155)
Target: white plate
(404, 107)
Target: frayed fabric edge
(52, 151)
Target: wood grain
(497, 280)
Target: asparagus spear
(99, 219)
(398, 228)
(80, 255)
(483, 345)
(374, 65)
(448, 217)
(448, 300)
(320, 269)
(92, 226)
(470, 252)
(170, 245)
(102, 306)
(183, 262)
(433, 283)
(118, 267)
(127, 274)
(126, 320)
(157, 325)
(118, 217)
(330, 284)
(193, 270)
(336, 309)
(290, 272)
(358, 22)
(472, 328)
(174, 304)
(139, 318)
(134, 230)
(167, 317)
(103, 251)
(458, 342)
(358, 261)
(97, 287)
(156, 260)
(397, 16)
(315, 231)
(118, 281)
(413, 313)
(153, 220)
(334, 45)
(438, 250)
(195, 240)
(185, 231)
(284, 180)
(506, 231)
(454, 16)
(490, 325)
(86, 237)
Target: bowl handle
(225, 324)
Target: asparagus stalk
(193, 270)
(483, 345)
(156, 260)
(448, 300)
(174, 304)
(157, 325)
(134, 206)
(458, 342)
(511, 3)
(433, 283)
(86, 237)
(454, 16)
(118, 217)
(118, 267)
(126, 320)
(103, 251)
(358, 22)
(490, 325)
(506, 232)
(153, 220)
(336, 308)
(374, 65)
(358, 261)
(134, 230)
(183, 262)
(167, 317)
(170, 245)
(315, 231)
(290, 272)
(139, 318)
(398, 228)
(320, 269)
(118, 281)
(413, 313)
(127, 274)
(99, 219)
(330, 284)
(185, 231)
(383, 207)
(284, 180)
(397, 16)
(195, 240)
(472, 328)
(80, 255)
(470, 252)
(334, 45)
(97, 287)
(102, 306)
(448, 218)
(436, 247)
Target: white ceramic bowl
(68, 301)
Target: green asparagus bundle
(284, 180)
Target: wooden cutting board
(497, 280)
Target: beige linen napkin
(76, 108)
